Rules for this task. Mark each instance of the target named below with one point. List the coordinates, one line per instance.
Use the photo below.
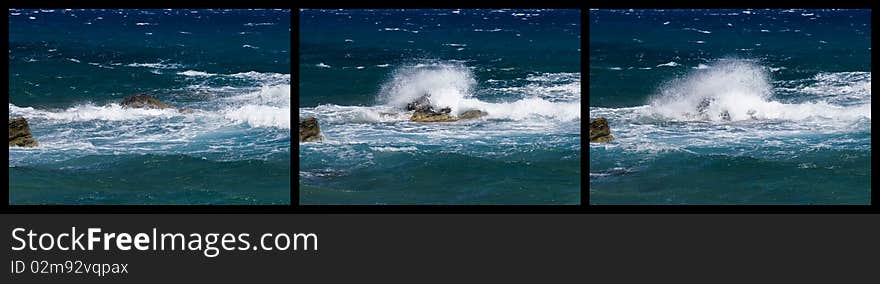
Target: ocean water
(68, 70)
(731, 106)
(358, 68)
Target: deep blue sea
(731, 106)
(358, 68)
(68, 70)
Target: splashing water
(449, 84)
(736, 90)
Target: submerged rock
(309, 131)
(20, 133)
(143, 101)
(471, 114)
(599, 131)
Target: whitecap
(696, 30)
(669, 64)
(194, 73)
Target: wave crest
(111, 112)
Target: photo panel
(149, 106)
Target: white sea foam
(445, 83)
(322, 65)
(272, 95)
(267, 107)
(356, 114)
(563, 87)
(842, 88)
(88, 112)
(260, 115)
(737, 90)
(268, 78)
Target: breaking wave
(736, 90)
(453, 85)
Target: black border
(295, 6)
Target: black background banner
(487, 247)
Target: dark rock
(599, 131)
(309, 131)
(20, 133)
(704, 105)
(725, 115)
(422, 103)
(143, 101)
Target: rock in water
(20, 133)
(599, 130)
(429, 115)
(471, 114)
(423, 111)
(603, 139)
(143, 101)
(309, 130)
(422, 103)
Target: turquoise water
(731, 106)
(359, 68)
(70, 68)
